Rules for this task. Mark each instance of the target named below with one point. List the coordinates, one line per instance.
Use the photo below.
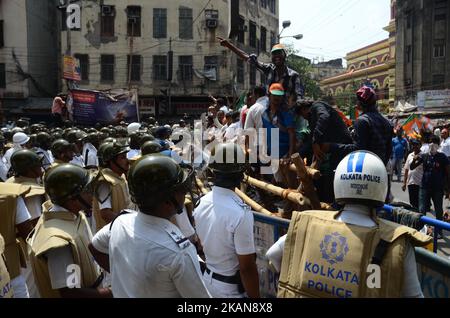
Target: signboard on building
(434, 100)
(147, 107)
(90, 107)
(72, 69)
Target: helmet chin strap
(86, 204)
(178, 207)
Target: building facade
(322, 70)
(371, 65)
(28, 55)
(126, 44)
(423, 39)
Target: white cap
(133, 127)
(20, 138)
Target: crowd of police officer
(155, 236)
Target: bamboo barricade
(313, 173)
(201, 186)
(253, 204)
(291, 195)
(307, 184)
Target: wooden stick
(315, 174)
(201, 186)
(255, 206)
(291, 195)
(307, 185)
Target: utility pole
(169, 77)
(130, 58)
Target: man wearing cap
(20, 141)
(275, 72)
(276, 118)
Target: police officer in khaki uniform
(6, 290)
(350, 253)
(158, 260)
(15, 223)
(111, 188)
(61, 262)
(225, 228)
(27, 167)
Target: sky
(332, 28)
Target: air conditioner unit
(212, 23)
(132, 20)
(107, 10)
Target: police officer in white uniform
(146, 254)
(359, 213)
(225, 228)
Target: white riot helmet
(20, 138)
(361, 176)
(133, 128)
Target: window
(2, 75)
(408, 20)
(135, 74)
(408, 54)
(440, 17)
(252, 34)
(362, 65)
(438, 81)
(107, 67)
(107, 21)
(263, 4)
(272, 6)
(273, 39)
(134, 21)
(263, 39)
(212, 65)
(160, 67)
(84, 65)
(252, 76)
(439, 50)
(241, 33)
(159, 23)
(240, 71)
(374, 61)
(186, 24)
(185, 67)
(2, 43)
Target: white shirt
(34, 205)
(92, 159)
(184, 224)
(254, 114)
(233, 132)
(147, 262)
(133, 153)
(225, 109)
(225, 228)
(360, 215)
(3, 169)
(47, 160)
(22, 213)
(78, 161)
(414, 176)
(9, 153)
(425, 149)
(445, 147)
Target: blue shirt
(283, 121)
(399, 147)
